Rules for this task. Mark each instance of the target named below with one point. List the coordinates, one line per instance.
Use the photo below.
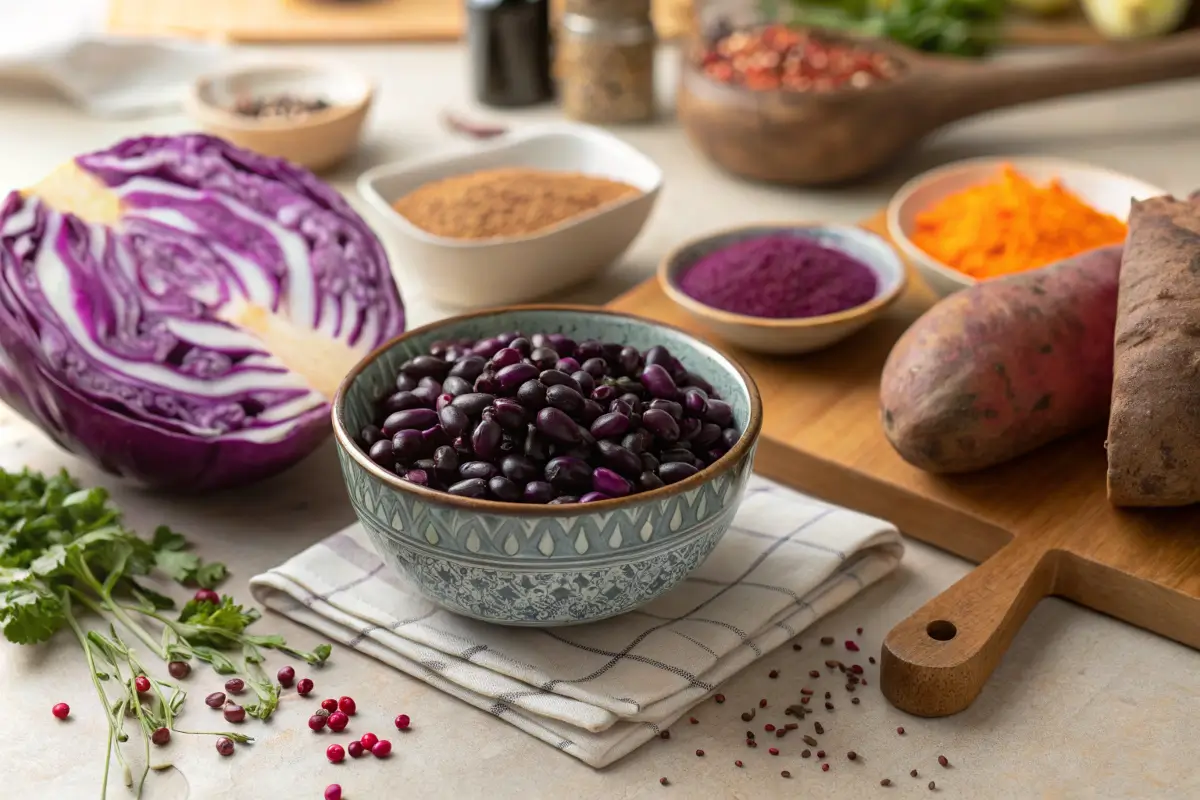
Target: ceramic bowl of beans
(784, 289)
(543, 465)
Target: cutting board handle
(937, 661)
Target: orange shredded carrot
(1011, 225)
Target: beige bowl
(801, 334)
(317, 141)
(1103, 189)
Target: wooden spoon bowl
(816, 138)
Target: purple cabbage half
(115, 339)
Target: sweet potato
(1154, 430)
(1004, 367)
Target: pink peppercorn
(62, 710)
(335, 753)
(402, 722)
(851, 646)
(382, 749)
(333, 792)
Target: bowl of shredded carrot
(989, 217)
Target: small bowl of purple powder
(784, 289)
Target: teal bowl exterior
(517, 564)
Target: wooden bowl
(317, 141)
(798, 335)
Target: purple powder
(779, 277)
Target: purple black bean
(547, 420)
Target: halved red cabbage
(124, 290)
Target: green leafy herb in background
(951, 27)
(64, 551)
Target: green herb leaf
(176, 564)
(210, 575)
(30, 615)
(167, 539)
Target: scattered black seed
(828, 696)
(932, 786)
(886, 782)
(797, 648)
(749, 734)
(773, 673)
(819, 728)
(805, 753)
(828, 706)
(663, 781)
(871, 660)
(762, 703)
(945, 762)
(747, 715)
(795, 711)
(786, 774)
(913, 773)
(700, 753)
(720, 698)
(665, 735)
(853, 756)
(854, 701)
(808, 740)
(826, 640)
(849, 687)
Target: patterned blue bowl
(517, 564)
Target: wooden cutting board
(1038, 526)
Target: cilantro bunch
(64, 552)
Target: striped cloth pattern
(599, 691)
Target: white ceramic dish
(317, 141)
(1103, 189)
(466, 273)
(799, 335)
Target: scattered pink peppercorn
(316, 722)
(402, 723)
(338, 721)
(858, 631)
(225, 746)
(304, 686)
(179, 669)
(141, 683)
(355, 749)
(235, 685)
(329, 704)
(368, 740)
(286, 676)
(160, 736)
(61, 710)
(851, 646)
(768, 727)
(737, 763)
(900, 730)
(347, 706)
(234, 713)
(382, 749)
(207, 596)
(335, 753)
(824, 768)
(720, 698)
(215, 700)
(333, 792)
(773, 751)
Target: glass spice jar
(509, 46)
(605, 61)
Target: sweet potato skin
(1154, 431)
(1004, 367)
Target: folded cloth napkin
(598, 691)
(61, 42)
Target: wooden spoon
(809, 138)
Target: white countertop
(1082, 706)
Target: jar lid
(609, 9)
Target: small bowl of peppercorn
(546, 465)
(784, 289)
(312, 114)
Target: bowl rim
(910, 187)
(199, 106)
(454, 154)
(667, 268)
(722, 465)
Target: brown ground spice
(506, 202)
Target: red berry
(179, 669)
(355, 749)
(225, 746)
(160, 736)
(333, 792)
(141, 683)
(235, 685)
(382, 749)
(61, 710)
(286, 676)
(316, 722)
(337, 722)
(402, 722)
(347, 706)
(851, 646)
(335, 753)
(368, 740)
(215, 700)
(329, 704)
(824, 768)
(304, 686)
(773, 751)
(207, 596)
(234, 713)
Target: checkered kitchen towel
(599, 691)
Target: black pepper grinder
(509, 43)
